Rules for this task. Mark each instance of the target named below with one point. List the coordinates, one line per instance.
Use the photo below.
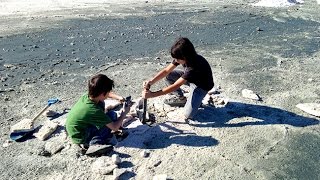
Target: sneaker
(176, 101)
(98, 149)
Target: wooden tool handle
(44, 109)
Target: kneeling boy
(87, 124)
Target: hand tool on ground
(25, 127)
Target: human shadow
(251, 114)
(164, 135)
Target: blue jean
(102, 135)
(195, 97)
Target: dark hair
(98, 84)
(183, 49)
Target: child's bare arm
(163, 73)
(115, 96)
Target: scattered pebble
(8, 65)
(115, 159)
(259, 29)
(6, 143)
(3, 79)
(311, 108)
(246, 93)
(160, 177)
(157, 163)
(144, 153)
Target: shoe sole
(175, 104)
(100, 151)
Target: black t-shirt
(198, 73)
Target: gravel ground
(50, 50)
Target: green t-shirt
(83, 114)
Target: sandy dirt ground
(50, 49)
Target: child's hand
(122, 99)
(126, 107)
(146, 94)
(146, 85)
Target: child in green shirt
(87, 123)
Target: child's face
(181, 61)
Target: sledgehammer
(144, 107)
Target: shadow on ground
(162, 139)
(164, 135)
(251, 114)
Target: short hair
(99, 84)
(183, 49)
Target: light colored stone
(53, 147)
(22, 125)
(246, 93)
(6, 144)
(160, 177)
(311, 108)
(46, 130)
(115, 159)
(103, 165)
(144, 153)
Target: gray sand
(272, 51)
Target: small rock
(144, 153)
(115, 159)
(157, 163)
(44, 153)
(6, 143)
(259, 29)
(8, 65)
(310, 80)
(3, 79)
(53, 147)
(46, 130)
(311, 108)
(246, 93)
(160, 177)
(22, 125)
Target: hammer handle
(144, 114)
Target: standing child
(197, 74)
(87, 124)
